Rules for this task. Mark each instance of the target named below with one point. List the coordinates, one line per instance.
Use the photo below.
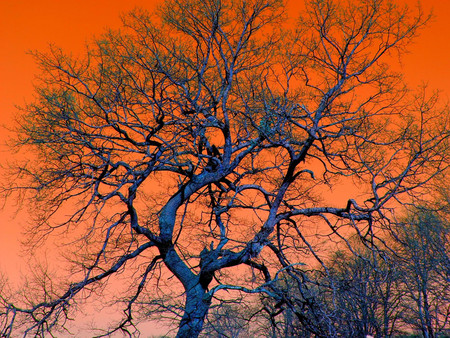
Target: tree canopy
(197, 151)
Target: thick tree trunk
(196, 308)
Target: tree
(366, 293)
(204, 140)
(423, 238)
(358, 294)
(226, 321)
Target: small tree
(356, 295)
(226, 321)
(206, 138)
(365, 292)
(424, 247)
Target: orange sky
(32, 24)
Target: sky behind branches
(34, 24)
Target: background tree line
(403, 292)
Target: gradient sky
(33, 24)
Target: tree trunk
(426, 308)
(196, 308)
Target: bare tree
(195, 151)
(365, 292)
(425, 266)
(358, 294)
(226, 320)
